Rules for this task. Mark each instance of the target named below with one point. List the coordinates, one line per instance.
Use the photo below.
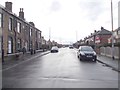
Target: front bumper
(52, 51)
(88, 57)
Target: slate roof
(104, 32)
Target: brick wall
(104, 39)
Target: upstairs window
(10, 24)
(26, 27)
(36, 34)
(18, 27)
(118, 32)
(39, 36)
(30, 31)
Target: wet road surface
(60, 70)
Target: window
(26, 45)
(39, 35)
(10, 23)
(10, 45)
(36, 34)
(118, 32)
(36, 45)
(18, 27)
(23, 27)
(0, 44)
(18, 44)
(30, 31)
(31, 45)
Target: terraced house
(17, 32)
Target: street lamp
(112, 30)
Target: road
(60, 70)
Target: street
(60, 70)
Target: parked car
(71, 46)
(54, 49)
(86, 53)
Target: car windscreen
(54, 48)
(86, 49)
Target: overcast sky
(67, 20)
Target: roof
(104, 32)
(2, 6)
(118, 29)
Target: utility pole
(112, 30)
(49, 37)
(49, 33)
(76, 36)
(76, 45)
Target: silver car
(54, 49)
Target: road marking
(23, 62)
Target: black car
(86, 53)
(71, 47)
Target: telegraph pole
(49, 38)
(76, 36)
(49, 33)
(112, 30)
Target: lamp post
(112, 30)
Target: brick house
(17, 32)
(102, 36)
(98, 38)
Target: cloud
(55, 6)
(92, 10)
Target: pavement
(11, 63)
(109, 62)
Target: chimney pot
(32, 23)
(95, 31)
(102, 28)
(22, 9)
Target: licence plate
(89, 56)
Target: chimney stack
(21, 13)
(8, 6)
(32, 24)
(95, 31)
(102, 28)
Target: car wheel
(94, 60)
(80, 59)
